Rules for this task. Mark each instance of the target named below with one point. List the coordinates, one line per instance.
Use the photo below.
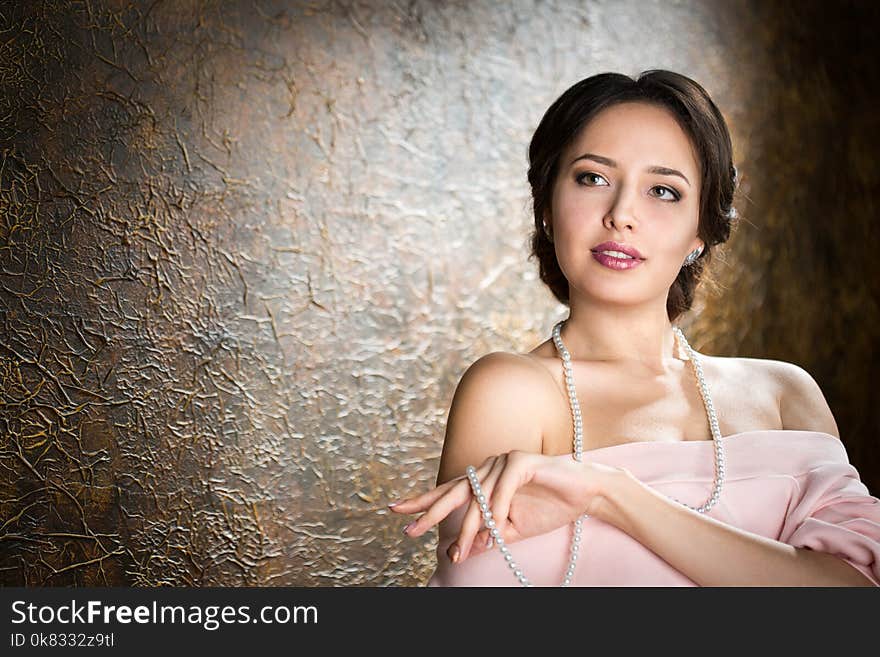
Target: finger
(484, 540)
(439, 509)
(471, 519)
(517, 473)
(474, 522)
(426, 499)
(442, 506)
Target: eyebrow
(663, 171)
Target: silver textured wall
(248, 249)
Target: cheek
(572, 202)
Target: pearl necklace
(489, 522)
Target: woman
(670, 467)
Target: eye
(587, 174)
(590, 175)
(675, 195)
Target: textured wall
(247, 249)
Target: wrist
(606, 503)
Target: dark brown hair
(700, 119)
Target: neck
(637, 337)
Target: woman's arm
(710, 552)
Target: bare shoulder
(493, 411)
(802, 404)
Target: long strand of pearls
(489, 521)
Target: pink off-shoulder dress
(797, 487)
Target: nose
(620, 215)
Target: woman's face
(605, 191)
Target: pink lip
(618, 246)
(616, 263)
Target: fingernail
(489, 541)
(405, 529)
(456, 554)
(394, 504)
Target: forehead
(636, 135)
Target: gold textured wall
(247, 249)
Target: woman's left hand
(528, 494)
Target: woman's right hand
(528, 494)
